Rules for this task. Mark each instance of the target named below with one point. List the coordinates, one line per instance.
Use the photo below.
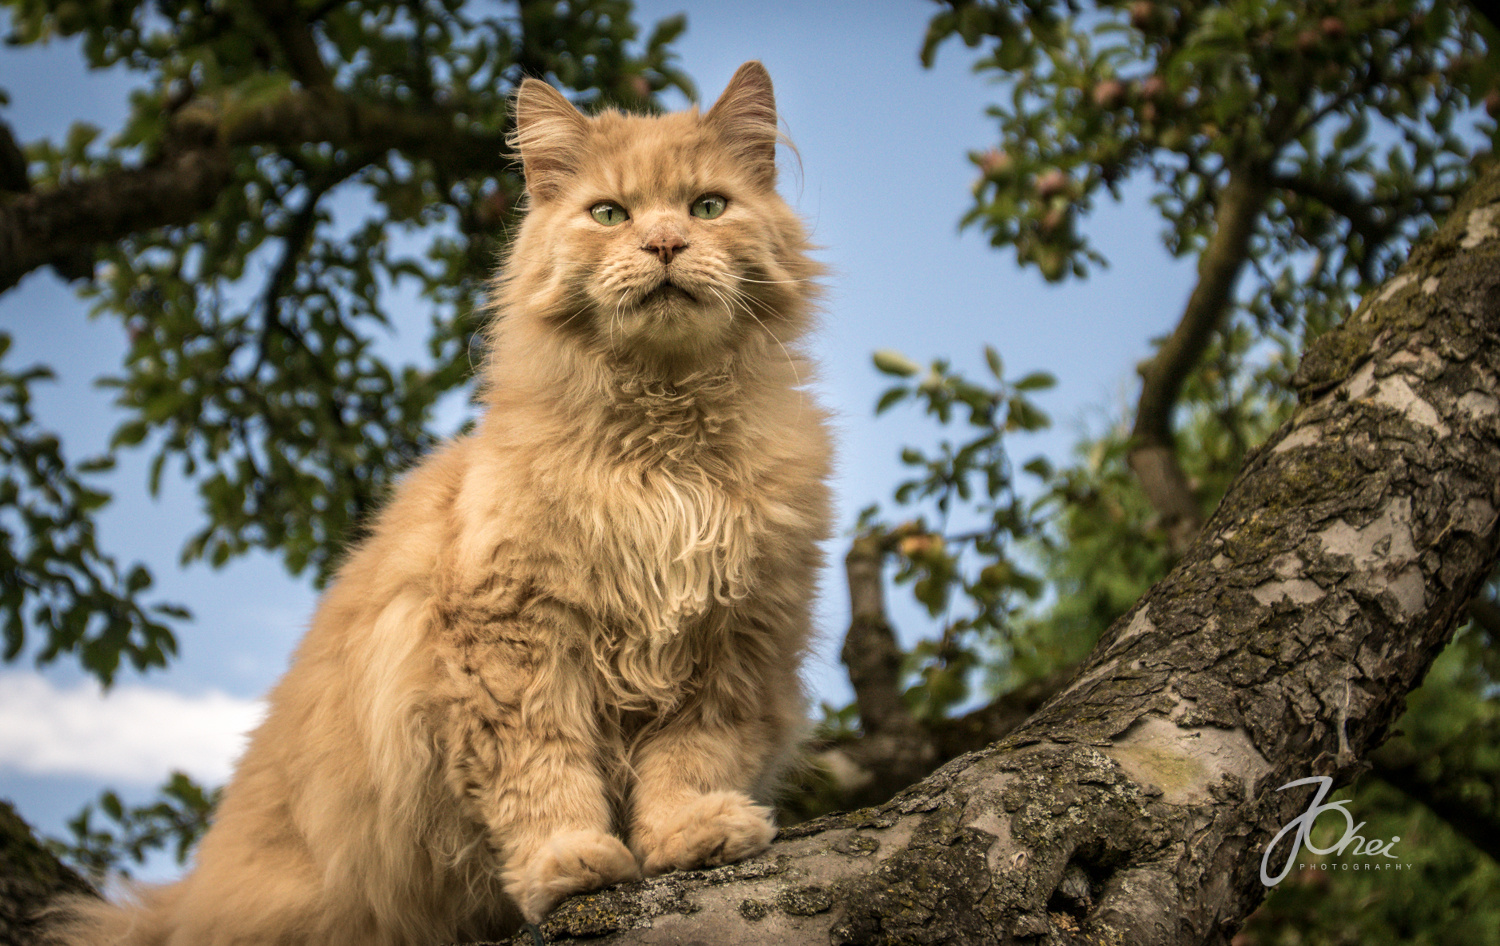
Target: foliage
(55, 581)
(969, 559)
(175, 820)
(255, 363)
(1024, 582)
(1359, 117)
(1305, 144)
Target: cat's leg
(523, 752)
(691, 804)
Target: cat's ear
(745, 117)
(549, 135)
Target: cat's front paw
(715, 828)
(569, 862)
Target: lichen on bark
(1134, 805)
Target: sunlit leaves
(1364, 114)
(956, 547)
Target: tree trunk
(1135, 807)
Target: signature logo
(1300, 829)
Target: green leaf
(1036, 381)
(891, 397)
(1039, 467)
(992, 358)
(892, 362)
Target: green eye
(609, 213)
(708, 206)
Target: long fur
(567, 653)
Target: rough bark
(29, 877)
(1452, 789)
(1153, 452)
(1134, 807)
(196, 163)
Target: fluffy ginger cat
(567, 654)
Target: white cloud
(131, 734)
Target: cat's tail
(142, 918)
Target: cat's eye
(609, 213)
(708, 206)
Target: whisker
(769, 282)
(741, 297)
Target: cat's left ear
(745, 117)
(550, 135)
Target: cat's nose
(665, 244)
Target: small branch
(1372, 73)
(896, 749)
(1153, 455)
(1363, 215)
(13, 172)
(297, 42)
(870, 649)
(1485, 613)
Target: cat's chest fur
(676, 509)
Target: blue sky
(883, 180)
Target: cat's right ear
(549, 136)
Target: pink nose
(664, 245)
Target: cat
(567, 653)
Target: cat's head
(659, 237)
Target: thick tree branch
(1136, 805)
(1153, 454)
(38, 227)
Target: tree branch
(1153, 454)
(37, 227)
(30, 876)
(203, 144)
(292, 33)
(1136, 806)
(896, 750)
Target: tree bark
(1153, 451)
(30, 877)
(1136, 805)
